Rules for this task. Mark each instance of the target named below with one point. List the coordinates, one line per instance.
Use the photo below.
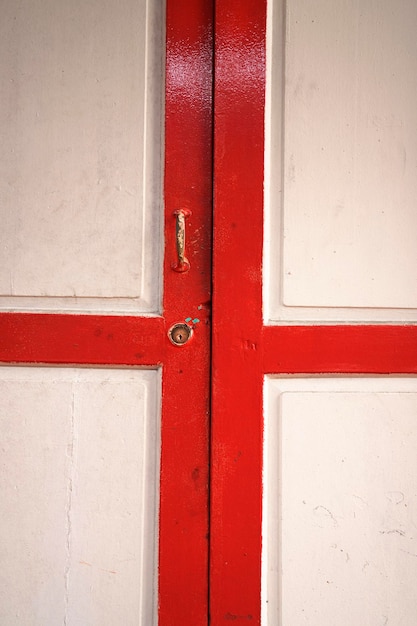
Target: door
(104, 406)
(313, 488)
(313, 398)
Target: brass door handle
(182, 264)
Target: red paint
(183, 543)
(143, 341)
(237, 314)
(370, 349)
(81, 339)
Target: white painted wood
(341, 184)
(79, 493)
(80, 156)
(340, 501)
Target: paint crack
(68, 508)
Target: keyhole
(179, 334)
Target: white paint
(80, 156)
(81, 117)
(340, 501)
(79, 496)
(341, 184)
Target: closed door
(305, 130)
(104, 404)
(313, 493)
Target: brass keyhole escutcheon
(179, 334)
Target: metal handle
(182, 264)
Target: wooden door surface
(313, 471)
(309, 143)
(104, 418)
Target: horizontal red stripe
(81, 339)
(376, 349)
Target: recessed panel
(340, 539)
(342, 157)
(79, 493)
(80, 119)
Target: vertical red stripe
(183, 549)
(237, 311)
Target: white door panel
(79, 486)
(80, 157)
(340, 501)
(341, 154)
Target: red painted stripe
(81, 339)
(237, 316)
(376, 349)
(183, 541)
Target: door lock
(179, 334)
